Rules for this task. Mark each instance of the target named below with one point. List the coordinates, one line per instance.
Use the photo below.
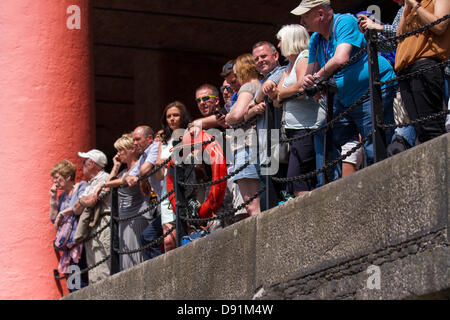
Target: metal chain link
(226, 213)
(147, 246)
(414, 122)
(66, 276)
(416, 73)
(327, 166)
(352, 107)
(214, 182)
(155, 169)
(153, 206)
(415, 31)
(92, 236)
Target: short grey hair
(214, 90)
(265, 43)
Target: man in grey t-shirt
(266, 59)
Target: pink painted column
(46, 115)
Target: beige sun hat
(307, 5)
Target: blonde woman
(131, 201)
(247, 179)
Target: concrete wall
(393, 214)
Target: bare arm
(145, 184)
(260, 95)
(53, 203)
(365, 23)
(308, 79)
(160, 173)
(277, 101)
(402, 23)
(255, 109)
(212, 121)
(300, 71)
(115, 168)
(341, 56)
(441, 8)
(239, 109)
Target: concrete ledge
(393, 215)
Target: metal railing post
(378, 134)
(180, 202)
(328, 137)
(270, 193)
(114, 237)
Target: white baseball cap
(95, 155)
(307, 5)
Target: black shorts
(302, 160)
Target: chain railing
(325, 86)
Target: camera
(321, 84)
(221, 110)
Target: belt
(426, 59)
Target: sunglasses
(205, 98)
(223, 88)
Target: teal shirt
(352, 81)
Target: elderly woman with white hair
(300, 115)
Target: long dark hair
(184, 115)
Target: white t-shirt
(304, 113)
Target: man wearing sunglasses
(226, 91)
(208, 101)
(231, 80)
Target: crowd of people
(255, 85)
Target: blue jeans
(152, 232)
(360, 121)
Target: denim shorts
(360, 121)
(241, 157)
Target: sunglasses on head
(223, 88)
(205, 98)
(228, 66)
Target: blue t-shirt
(352, 81)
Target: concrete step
(381, 233)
